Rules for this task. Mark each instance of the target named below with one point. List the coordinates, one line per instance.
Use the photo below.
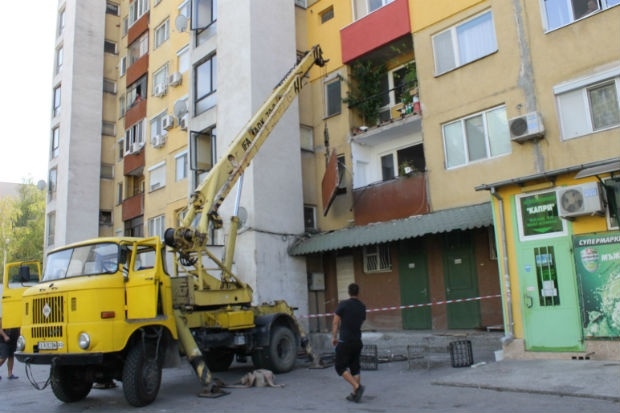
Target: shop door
(460, 280)
(413, 275)
(551, 318)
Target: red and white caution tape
(401, 307)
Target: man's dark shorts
(7, 348)
(348, 356)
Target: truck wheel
(70, 384)
(218, 360)
(141, 377)
(282, 351)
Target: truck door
(142, 285)
(18, 276)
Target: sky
(28, 40)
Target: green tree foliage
(365, 91)
(22, 224)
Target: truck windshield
(89, 259)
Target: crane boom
(189, 242)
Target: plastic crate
(461, 354)
(369, 359)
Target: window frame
(567, 15)
(204, 101)
(157, 176)
(380, 254)
(455, 42)
(573, 96)
(181, 166)
(464, 156)
(55, 144)
(337, 107)
(158, 40)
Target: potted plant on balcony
(409, 89)
(406, 168)
(365, 88)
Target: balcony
(397, 198)
(133, 206)
(133, 164)
(375, 30)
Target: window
(161, 33)
(559, 13)
(180, 166)
(55, 143)
(61, 22)
(156, 128)
(160, 77)
(105, 218)
(375, 4)
(377, 258)
(137, 9)
(157, 176)
(58, 59)
(394, 163)
(185, 9)
(136, 92)
(107, 171)
(56, 103)
(333, 97)
(134, 137)
(589, 105)
(134, 227)
(111, 8)
(206, 84)
(546, 274)
(52, 183)
(51, 228)
(183, 59)
(477, 137)
(108, 128)
(109, 47)
(327, 14)
(310, 217)
(122, 106)
(109, 86)
(119, 193)
(156, 226)
(122, 66)
(204, 13)
(306, 135)
(342, 185)
(138, 48)
(464, 43)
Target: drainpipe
(509, 333)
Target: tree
(22, 224)
(366, 94)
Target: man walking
(348, 319)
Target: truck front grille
(48, 310)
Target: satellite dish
(180, 23)
(41, 185)
(180, 108)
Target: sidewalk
(579, 378)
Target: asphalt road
(393, 387)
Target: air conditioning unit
(167, 122)
(175, 79)
(160, 90)
(583, 199)
(526, 127)
(184, 122)
(159, 140)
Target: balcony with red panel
(397, 198)
(133, 206)
(376, 30)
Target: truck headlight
(21, 344)
(84, 341)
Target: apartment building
(404, 166)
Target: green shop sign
(539, 214)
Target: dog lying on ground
(256, 378)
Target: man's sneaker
(351, 397)
(358, 394)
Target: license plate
(48, 345)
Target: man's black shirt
(352, 313)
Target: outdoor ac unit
(175, 79)
(184, 122)
(577, 200)
(167, 122)
(526, 127)
(158, 140)
(160, 90)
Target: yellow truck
(109, 308)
